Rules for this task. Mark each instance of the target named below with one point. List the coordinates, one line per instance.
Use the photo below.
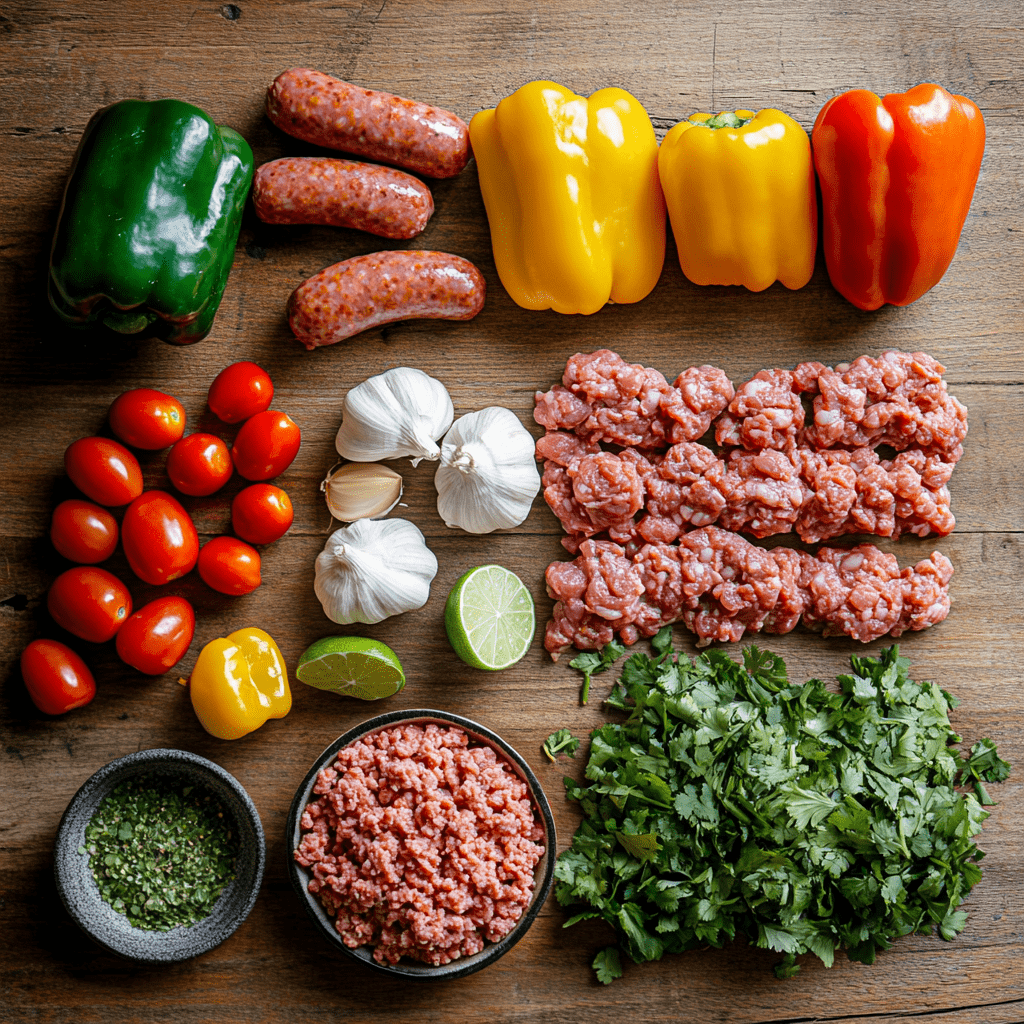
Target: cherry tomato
(229, 566)
(240, 391)
(159, 538)
(83, 532)
(157, 636)
(89, 602)
(261, 513)
(148, 419)
(103, 470)
(265, 446)
(56, 678)
(199, 465)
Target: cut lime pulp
(353, 666)
(489, 618)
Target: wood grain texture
(63, 61)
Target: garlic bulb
(361, 490)
(374, 569)
(488, 476)
(398, 412)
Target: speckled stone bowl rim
(544, 874)
(80, 895)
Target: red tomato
(83, 532)
(103, 470)
(157, 636)
(56, 678)
(148, 419)
(239, 391)
(159, 538)
(89, 602)
(261, 513)
(229, 566)
(265, 446)
(199, 465)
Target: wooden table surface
(60, 62)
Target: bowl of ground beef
(421, 844)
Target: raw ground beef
(655, 524)
(420, 844)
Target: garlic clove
(361, 490)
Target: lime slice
(489, 618)
(353, 666)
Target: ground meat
(766, 413)
(764, 493)
(608, 488)
(560, 409)
(925, 593)
(685, 487)
(420, 844)
(856, 591)
(698, 395)
(920, 492)
(795, 571)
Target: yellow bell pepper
(238, 683)
(572, 195)
(740, 194)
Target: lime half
(489, 618)
(353, 666)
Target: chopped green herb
(733, 801)
(590, 663)
(160, 855)
(563, 742)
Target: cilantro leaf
(590, 663)
(561, 741)
(607, 965)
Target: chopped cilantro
(561, 741)
(732, 801)
(590, 663)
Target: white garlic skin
(373, 569)
(488, 476)
(399, 412)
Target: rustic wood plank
(64, 61)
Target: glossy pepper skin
(572, 195)
(238, 683)
(150, 219)
(740, 193)
(897, 176)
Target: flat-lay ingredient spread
(733, 801)
(421, 844)
(150, 219)
(740, 193)
(161, 852)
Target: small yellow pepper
(238, 683)
(572, 195)
(740, 195)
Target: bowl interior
(543, 875)
(78, 888)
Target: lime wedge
(489, 618)
(353, 666)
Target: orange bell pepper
(897, 176)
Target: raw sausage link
(342, 193)
(380, 288)
(316, 108)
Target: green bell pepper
(150, 219)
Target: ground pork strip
(420, 844)
(720, 586)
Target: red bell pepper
(897, 176)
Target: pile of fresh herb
(731, 801)
(161, 854)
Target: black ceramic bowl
(110, 929)
(543, 875)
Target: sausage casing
(327, 112)
(380, 288)
(342, 193)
